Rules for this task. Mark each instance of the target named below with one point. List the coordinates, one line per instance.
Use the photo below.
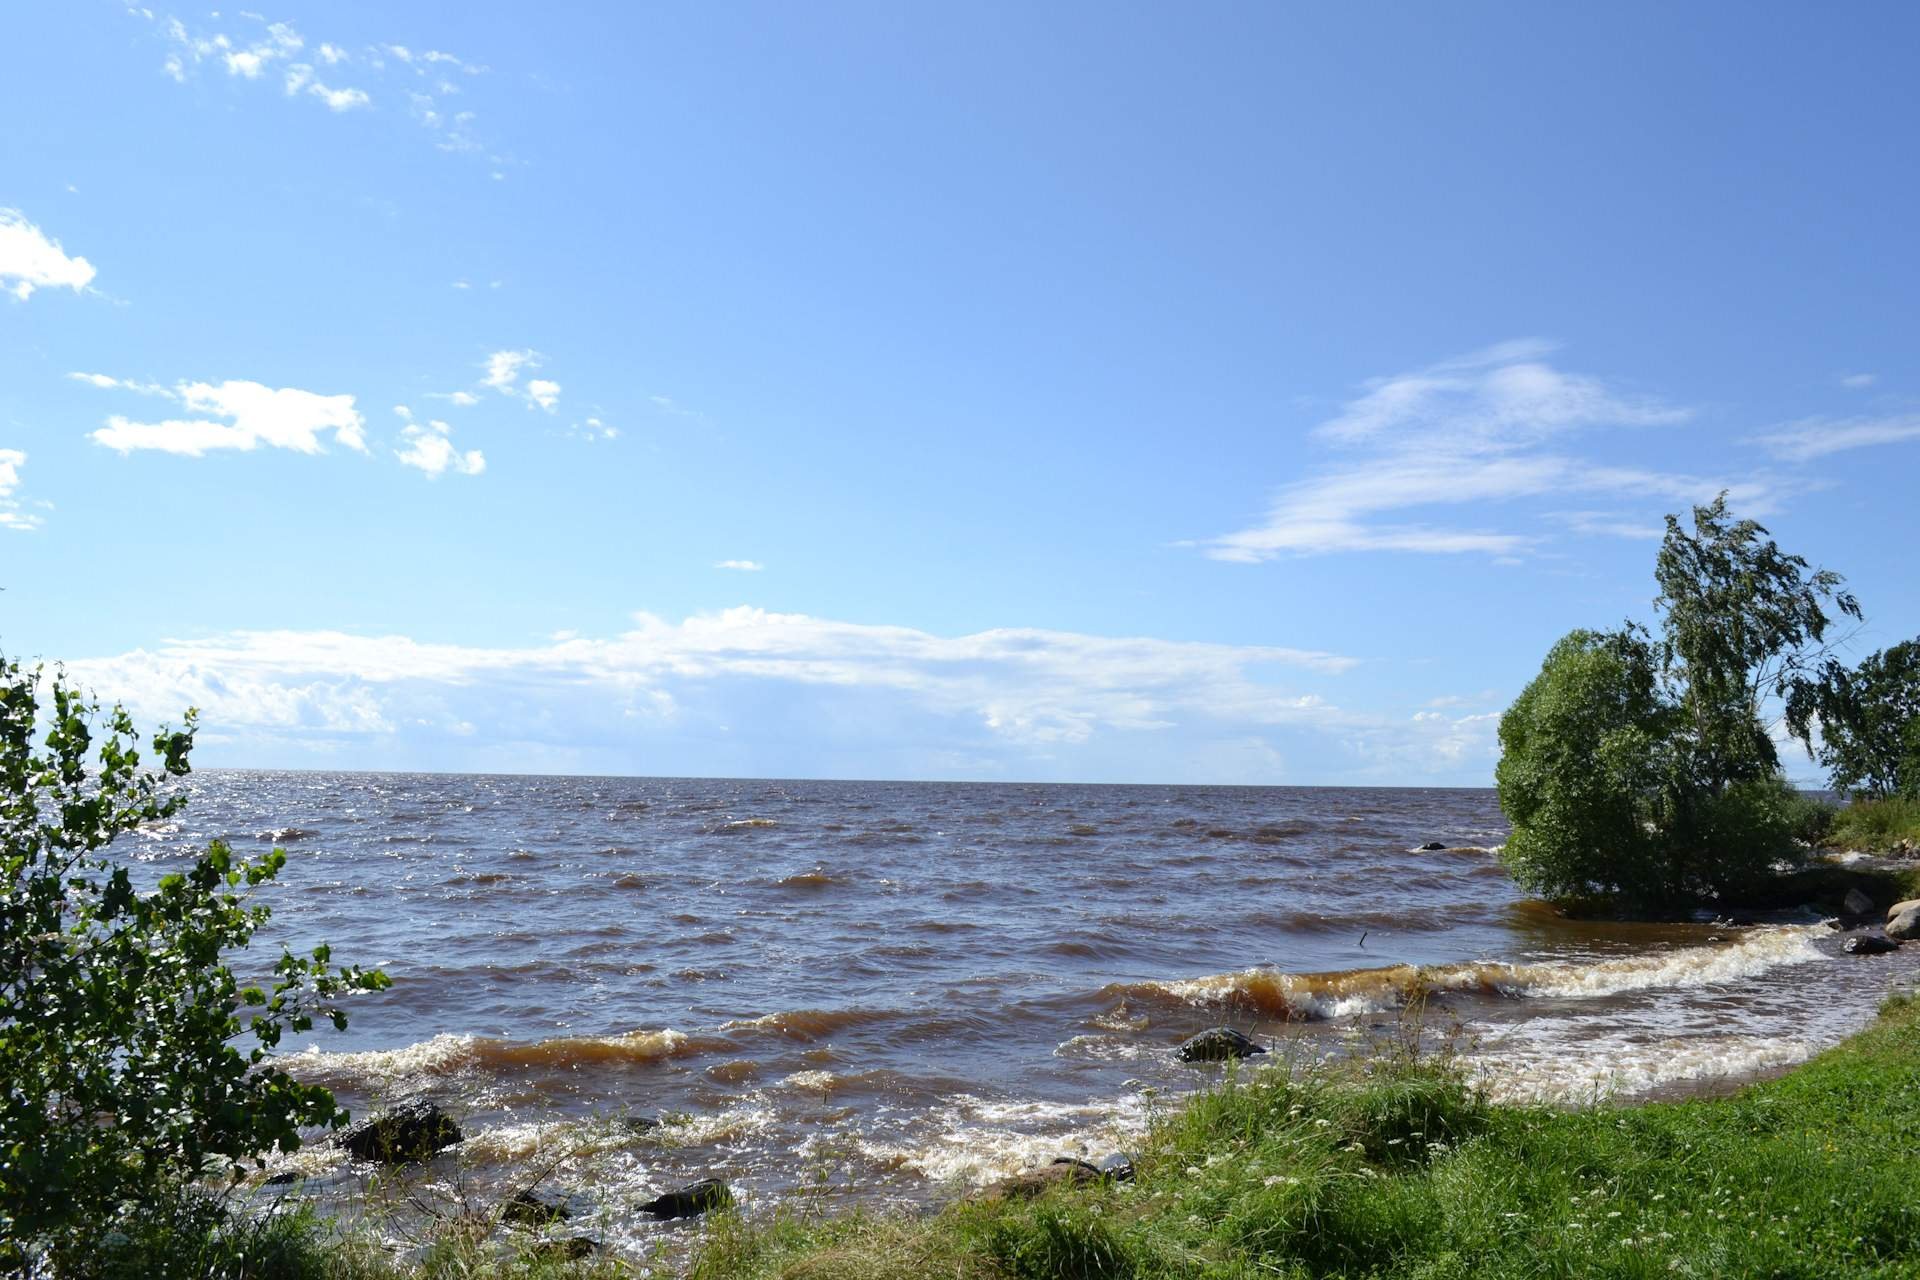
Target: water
(897, 990)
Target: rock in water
(1868, 944)
(403, 1135)
(1905, 925)
(1217, 1044)
(1856, 903)
(1899, 909)
(1118, 1166)
(1064, 1172)
(535, 1209)
(1432, 846)
(691, 1200)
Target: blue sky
(1077, 392)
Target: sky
(1242, 393)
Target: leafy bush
(119, 1016)
(1584, 772)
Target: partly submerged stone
(403, 1135)
(535, 1209)
(1063, 1172)
(1118, 1166)
(1906, 924)
(1899, 909)
(691, 1200)
(1868, 944)
(1856, 903)
(1217, 1044)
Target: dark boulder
(1905, 925)
(1868, 944)
(535, 1209)
(1432, 846)
(691, 1200)
(1118, 1166)
(1217, 1044)
(403, 1135)
(286, 1179)
(639, 1124)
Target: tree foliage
(1643, 768)
(135, 1061)
(1742, 623)
(1868, 719)
(1584, 765)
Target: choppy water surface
(901, 988)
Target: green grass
(1401, 1170)
(1876, 825)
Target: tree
(1584, 767)
(1868, 718)
(121, 1024)
(1742, 623)
(1644, 770)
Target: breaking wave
(1350, 992)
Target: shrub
(121, 1025)
(1584, 769)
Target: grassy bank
(1877, 826)
(1388, 1166)
(1403, 1172)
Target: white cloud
(1022, 687)
(30, 259)
(464, 398)
(594, 429)
(282, 418)
(744, 566)
(11, 516)
(1812, 438)
(543, 393)
(250, 58)
(429, 448)
(339, 99)
(1471, 431)
(503, 370)
(1858, 381)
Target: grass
(1876, 825)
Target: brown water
(900, 989)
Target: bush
(1584, 769)
(121, 1024)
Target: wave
(448, 1055)
(811, 1024)
(1346, 993)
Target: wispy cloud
(1477, 430)
(1020, 686)
(1811, 438)
(259, 50)
(31, 259)
(428, 447)
(1858, 381)
(256, 415)
(503, 370)
(741, 566)
(11, 516)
